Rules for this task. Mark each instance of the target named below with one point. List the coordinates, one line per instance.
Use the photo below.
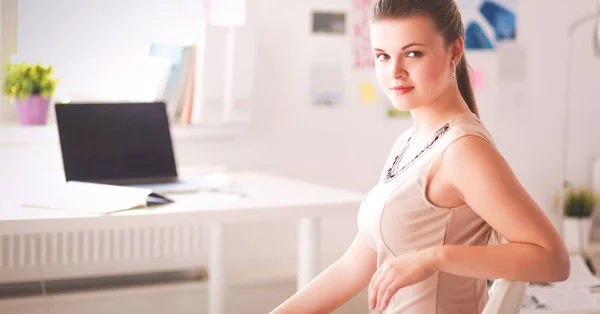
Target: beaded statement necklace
(395, 169)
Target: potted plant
(578, 205)
(31, 87)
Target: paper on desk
(580, 276)
(560, 301)
(89, 197)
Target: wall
(362, 135)
(346, 146)
(8, 46)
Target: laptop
(121, 143)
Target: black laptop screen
(106, 142)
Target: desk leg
(216, 270)
(309, 250)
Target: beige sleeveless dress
(397, 218)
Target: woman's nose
(398, 70)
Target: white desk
(572, 296)
(268, 198)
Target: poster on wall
(512, 59)
(488, 22)
(326, 84)
(361, 39)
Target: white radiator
(100, 252)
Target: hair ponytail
(464, 85)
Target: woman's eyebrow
(412, 44)
(403, 48)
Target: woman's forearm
(514, 261)
(332, 288)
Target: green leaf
(23, 80)
(579, 202)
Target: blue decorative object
(488, 22)
(500, 18)
(475, 38)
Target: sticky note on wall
(478, 80)
(367, 93)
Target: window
(101, 51)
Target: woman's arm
(335, 285)
(483, 179)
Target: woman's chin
(401, 106)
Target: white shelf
(48, 134)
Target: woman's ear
(458, 49)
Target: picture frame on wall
(328, 22)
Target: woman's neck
(429, 118)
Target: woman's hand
(399, 272)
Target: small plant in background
(579, 202)
(578, 207)
(23, 80)
(395, 113)
(31, 87)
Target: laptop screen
(116, 142)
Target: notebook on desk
(94, 198)
(127, 143)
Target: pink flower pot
(33, 110)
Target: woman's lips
(402, 90)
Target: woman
(426, 230)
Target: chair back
(505, 297)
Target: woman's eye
(382, 57)
(414, 54)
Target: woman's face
(412, 61)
